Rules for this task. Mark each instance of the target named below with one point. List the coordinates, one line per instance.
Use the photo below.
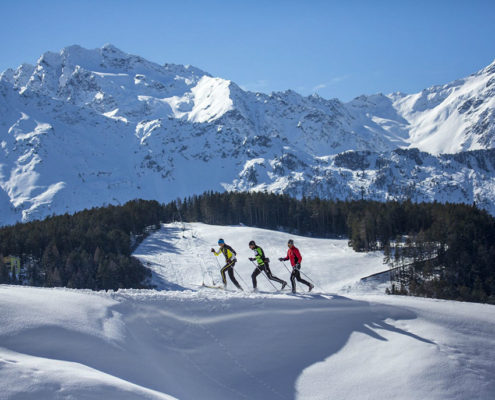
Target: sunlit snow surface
(183, 257)
(342, 341)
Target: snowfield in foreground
(344, 341)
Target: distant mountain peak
(111, 47)
(490, 69)
(87, 127)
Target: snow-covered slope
(451, 118)
(467, 177)
(351, 343)
(185, 261)
(83, 128)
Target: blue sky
(335, 48)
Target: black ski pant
(229, 267)
(296, 274)
(265, 267)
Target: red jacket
(294, 255)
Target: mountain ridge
(83, 128)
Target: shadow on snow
(226, 348)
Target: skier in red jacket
(295, 258)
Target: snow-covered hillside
(184, 259)
(83, 128)
(450, 118)
(348, 343)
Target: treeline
(307, 216)
(438, 250)
(90, 249)
(452, 257)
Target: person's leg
(255, 273)
(293, 279)
(270, 276)
(298, 277)
(230, 270)
(222, 272)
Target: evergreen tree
(4, 272)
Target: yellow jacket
(227, 251)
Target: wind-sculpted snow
(200, 343)
(136, 345)
(83, 128)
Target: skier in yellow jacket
(230, 258)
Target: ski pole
(318, 286)
(312, 281)
(203, 269)
(286, 267)
(208, 271)
(308, 278)
(216, 259)
(299, 271)
(219, 266)
(266, 276)
(235, 272)
(240, 277)
(288, 270)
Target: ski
(212, 287)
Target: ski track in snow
(343, 341)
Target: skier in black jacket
(262, 265)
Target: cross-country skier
(230, 258)
(263, 265)
(295, 258)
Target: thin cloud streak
(260, 85)
(334, 81)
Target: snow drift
(213, 344)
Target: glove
(212, 250)
(251, 259)
(281, 259)
(297, 266)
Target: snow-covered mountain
(83, 128)
(401, 174)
